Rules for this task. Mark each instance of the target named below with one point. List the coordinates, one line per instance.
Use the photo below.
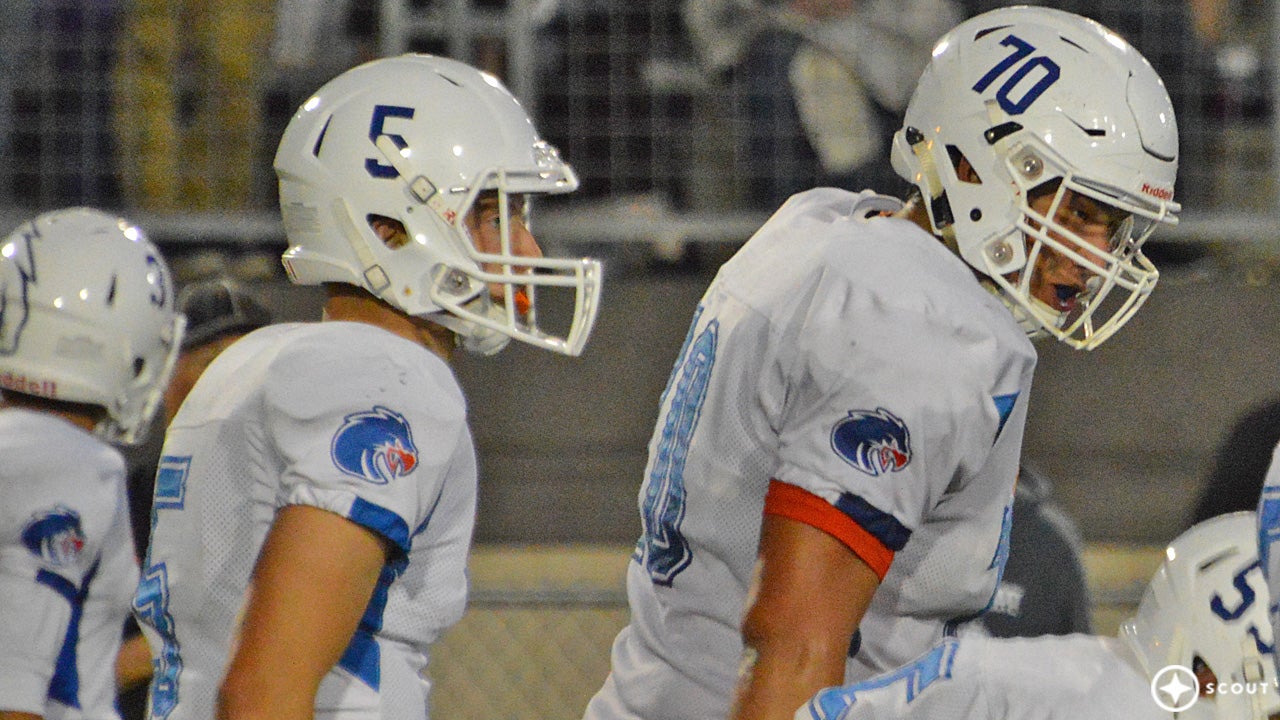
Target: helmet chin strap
(472, 336)
(1030, 324)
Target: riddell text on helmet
(23, 384)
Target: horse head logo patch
(55, 535)
(874, 442)
(375, 445)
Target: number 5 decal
(1047, 73)
(380, 115)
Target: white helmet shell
(417, 139)
(1031, 96)
(87, 315)
(1207, 603)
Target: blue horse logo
(375, 445)
(874, 442)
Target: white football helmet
(418, 138)
(87, 315)
(1030, 96)
(1208, 604)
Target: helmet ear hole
(139, 364)
(1204, 673)
(391, 231)
(964, 169)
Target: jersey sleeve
(978, 677)
(106, 607)
(938, 685)
(366, 429)
(1269, 538)
(35, 610)
(887, 409)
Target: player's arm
(15, 715)
(314, 578)
(133, 664)
(809, 594)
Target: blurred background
(689, 121)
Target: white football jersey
(67, 568)
(850, 368)
(1052, 677)
(1269, 540)
(342, 416)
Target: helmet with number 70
(420, 140)
(1205, 610)
(88, 316)
(1023, 103)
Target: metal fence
(534, 644)
(679, 114)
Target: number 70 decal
(1039, 70)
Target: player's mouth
(1066, 297)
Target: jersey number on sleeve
(151, 603)
(662, 549)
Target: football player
(1269, 536)
(88, 337)
(1199, 646)
(315, 499)
(829, 482)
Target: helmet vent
(1091, 132)
(999, 132)
(138, 365)
(449, 80)
(320, 140)
(1076, 45)
(1225, 554)
(983, 33)
(111, 291)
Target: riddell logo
(28, 386)
(1159, 192)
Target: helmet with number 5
(418, 139)
(1206, 610)
(1037, 100)
(87, 316)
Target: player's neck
(354, 305)
(80, 415)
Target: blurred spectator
(824, 83)
(188, 90)
(314, 40)
(622, 130)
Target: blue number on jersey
(151, 602)
(662, 549)
(1049, 73)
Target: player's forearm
(15, 715)
(234, 704)
(778, 678)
